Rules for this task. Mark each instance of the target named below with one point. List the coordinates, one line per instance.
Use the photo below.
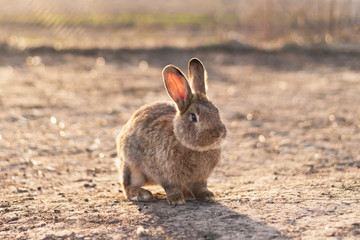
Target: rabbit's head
(197, 124)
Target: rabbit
(173, 145)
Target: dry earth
(290, 167)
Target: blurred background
(141, 24)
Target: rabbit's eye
(193, 117)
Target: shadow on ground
(204, 221)
(279, 59)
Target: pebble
(62, 194)
(140, 230)
(114, 221)
(87, 185)
(13, 219)
(22, 190)
(53, 120)
(50, 169)
(262, 138)
(40, 173)
(13, 189)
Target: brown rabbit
(176, 147)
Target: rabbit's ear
(177, 86)
(197, 76)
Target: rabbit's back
(148, 124)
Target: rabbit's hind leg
(132, 181)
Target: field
(290, 166)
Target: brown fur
(160, 145)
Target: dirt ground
(290, 167)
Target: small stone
(140, 230)
(50, 169)
(13, 189)
(15, 218)
(28, 199)
(40, 173)
(61, 125)
(114, 221)
(53, 120)
(62, 194)
(94, 146)
(22, 190)
(87, 185)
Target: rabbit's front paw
(204, 195)
(140, 195)
(174, 195)
(176, 199)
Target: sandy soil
(290, 167)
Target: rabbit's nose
(215, 133)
